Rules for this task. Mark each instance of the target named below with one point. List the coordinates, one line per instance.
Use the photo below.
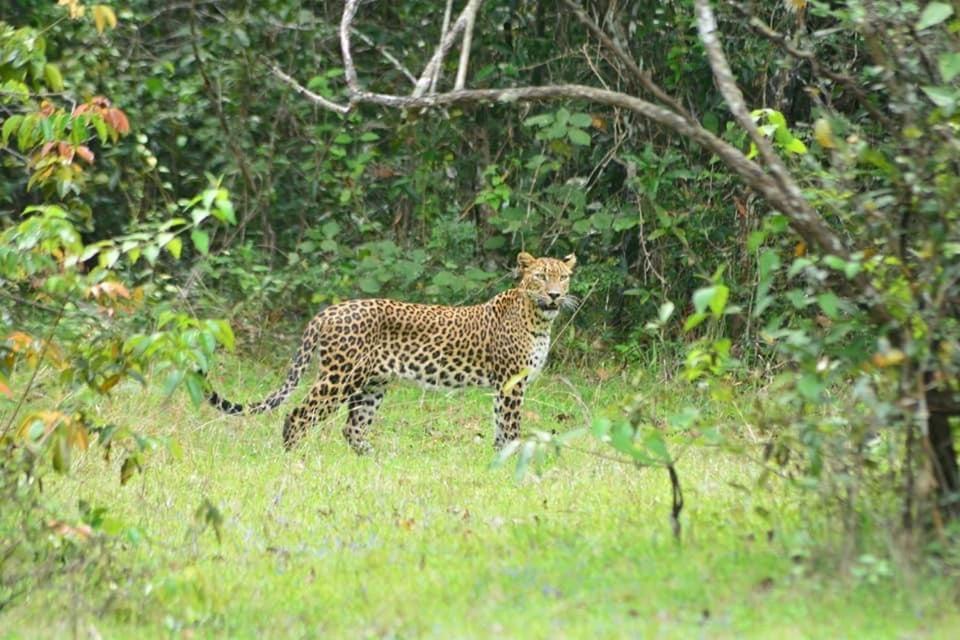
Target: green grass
(424, 539)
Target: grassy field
(424, 539)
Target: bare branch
(749, 171)
(443, 32)
(445, 43)
(346, 23)
(310, 95)
(471, 17)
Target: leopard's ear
(524, 260)
(570, 260)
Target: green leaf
(578, 137)
(10, 125)
(601, 426)
(714, 297)
(195, 388)
(109, 258)
(719, 300)
(172, 380)
(829, 303)
(949, 65)
(150, 252)
(768, 262)
(222, 332)
(776, 118)
(61, 453)
(369, 284)
(665, 311)
(330, 229)
(552, 133)
(684, 419)
(129, 465)
(795, 145)
(581, 120)
(655, 444)
(701, 298)
(199, 214)
(601, 220)
(515, 379)
(46, 128)
(224, 211)
(541, 120)
(810, 386)
(943, 97)
(755, 240)
(201, 240)
(101, 127)
(933, 14)
(693, 321)
(175, 246)
(835, 262)
(52, 75)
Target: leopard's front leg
(506, 410)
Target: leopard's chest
(539, 350)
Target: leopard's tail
(308, 345)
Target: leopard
(364, 344)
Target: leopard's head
(546, 282)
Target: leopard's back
(434, 346)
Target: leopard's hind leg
(322, 400)
(363, 406)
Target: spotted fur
(364, 344)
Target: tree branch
(471, 17)
(445, 43)
(448, 10)
(346, 20)
(310, 95)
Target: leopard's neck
(516, 302)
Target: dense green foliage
(160, 185)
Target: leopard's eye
(540, 276)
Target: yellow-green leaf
(201, 240)
(52, 75)
(175, 246)
(823, 133)
(515, 379)
(103, 17)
